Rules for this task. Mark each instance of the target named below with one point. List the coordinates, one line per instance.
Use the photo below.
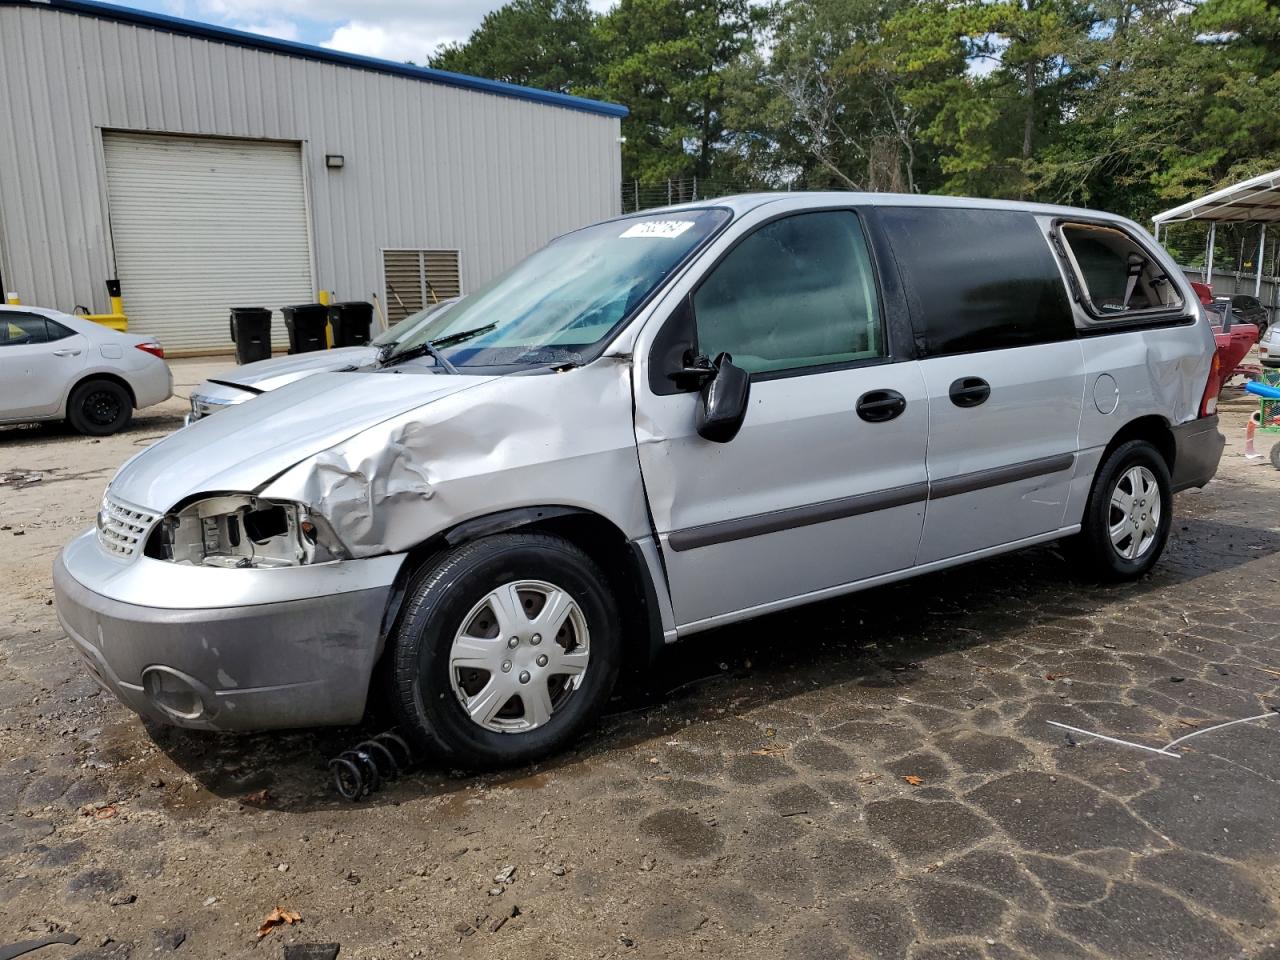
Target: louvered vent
(418, 278)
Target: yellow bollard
(11, 298)
(116, 319)
(323, 297)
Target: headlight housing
(237, 530)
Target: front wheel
(507, 649)
(1126, 521)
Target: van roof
(744, 202)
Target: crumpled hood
(275, 372)
(246, 445)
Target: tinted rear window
(977, 279)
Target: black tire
(445, 592)
(1092, 550)
(99, 408)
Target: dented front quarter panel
(551, 439)
(243, 447)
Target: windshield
(394, 333)
(569, 295)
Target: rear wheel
(508, 648)
(99, 408)
(1126, 521)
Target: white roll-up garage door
(203, 225)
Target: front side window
(1117, 275)
(797, 293)
(977, 279)
(568, 297)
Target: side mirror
(723, 401)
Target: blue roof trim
(208, 31)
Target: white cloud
(280, 29)
(369, 11)
(393, 39)
(392, 29)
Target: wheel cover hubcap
(102, 407)
(518, 657)
(1134, 517)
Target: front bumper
(303, 656)
(1198, 448)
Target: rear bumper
(1197, 451)
(153, 384)
(298, 662)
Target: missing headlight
(241, 530)
(265, 524)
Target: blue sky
(394, 29)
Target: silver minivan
(653, 426)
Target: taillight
(1209, 403)
(152, 348)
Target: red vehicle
(1234, 336)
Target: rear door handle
(66, 353)
(877, 406)
(969, 391)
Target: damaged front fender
(562, 439)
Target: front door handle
(877, 406)
(66, 353)
(969, 391)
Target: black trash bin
(251, 333)
(351, 321)
(305, 323)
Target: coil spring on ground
(361, 770)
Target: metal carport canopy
(1256, 200)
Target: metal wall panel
(426, 166)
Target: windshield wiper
(557, 358)
(431, 348)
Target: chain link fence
(645, 195)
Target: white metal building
(208, 168)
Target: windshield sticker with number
(658, 228)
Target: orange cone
(1250, 453)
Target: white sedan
(243, 383)
(55, 366)
(1269, 346)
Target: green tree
(995, 79)
(667, 60)
(548, 44)
(838, 108)
(1180, 101)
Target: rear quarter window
(1117, 278)
(57, 331)
(977, 279)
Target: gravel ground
(875, 777)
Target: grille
(122, 528)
